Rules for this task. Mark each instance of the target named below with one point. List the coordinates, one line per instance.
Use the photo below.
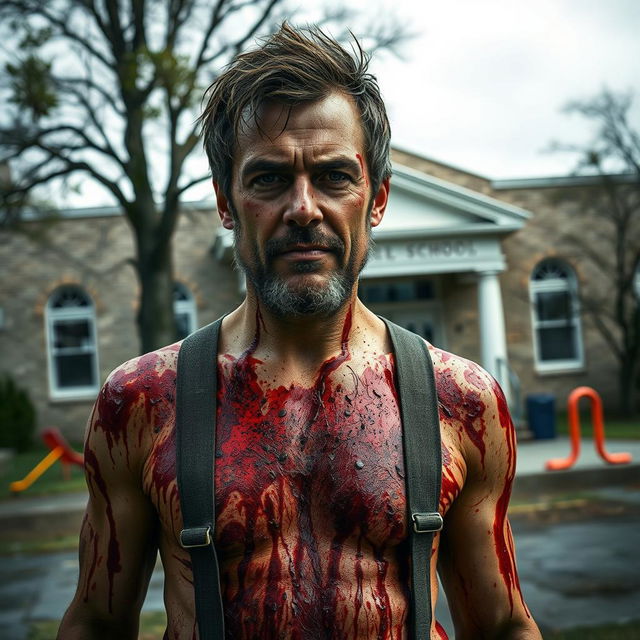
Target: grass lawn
(52, 481)
(614, 428)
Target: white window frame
(567, 284)
(55, 315)
(186, 306)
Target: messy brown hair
(291, 67)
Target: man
(311, 525)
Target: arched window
(557, 334)
(71, 343)
(184, 308)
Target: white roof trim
(207, 204)
(561, 181)
(456, 197)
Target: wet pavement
(581, 568)
(575, 573)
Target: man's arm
(118, 544)
(477, 562)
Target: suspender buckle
(427, 522)
(195, 537)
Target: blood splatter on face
(310, 501)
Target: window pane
(72, 333)
(424, 329)
(399, 291)
(75, 371)
(424, 290)
(557, 344)
(183, 326)
(553, 305)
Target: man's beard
(286, 300)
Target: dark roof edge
(559, 181)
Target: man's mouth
(305, 252)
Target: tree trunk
(628, 387)
(156, 320)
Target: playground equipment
(574, 432)
(60, 450)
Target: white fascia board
(207, 204)
(472, 229)
(560, 181)
(455, 196)
(423, 268)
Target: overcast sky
(484, 82)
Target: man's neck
(302, 341)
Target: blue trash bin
(541, 415)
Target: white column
(493, 340)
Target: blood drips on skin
(135, 402)
(501, 530)
(96, 481)
(450, 487)
(362, 168)
(123, 394)
(89, 536)
(464, 406)
(310, 504)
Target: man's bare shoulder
(137, 398)
(471, 403)
(467, 375)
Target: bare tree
(607, 239)
(109, 89)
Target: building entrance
(412, 303)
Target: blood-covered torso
(310, 496)
(310, 499)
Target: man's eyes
(332, 177)
(267, 179)
(337, 176)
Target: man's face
(301, 205)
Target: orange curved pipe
(574, 431)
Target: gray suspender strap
(422, 460)
(195, 442)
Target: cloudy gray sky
(483, 83)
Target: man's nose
(302, 208)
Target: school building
(482, 268)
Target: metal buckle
(427, 522)
(195, 537)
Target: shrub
(17, 416)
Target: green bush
(17, 416)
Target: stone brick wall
(544, 236)
(556, 213)
(442, 171)
(97, 254)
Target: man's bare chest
(326, 458)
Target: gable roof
(424, 205)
